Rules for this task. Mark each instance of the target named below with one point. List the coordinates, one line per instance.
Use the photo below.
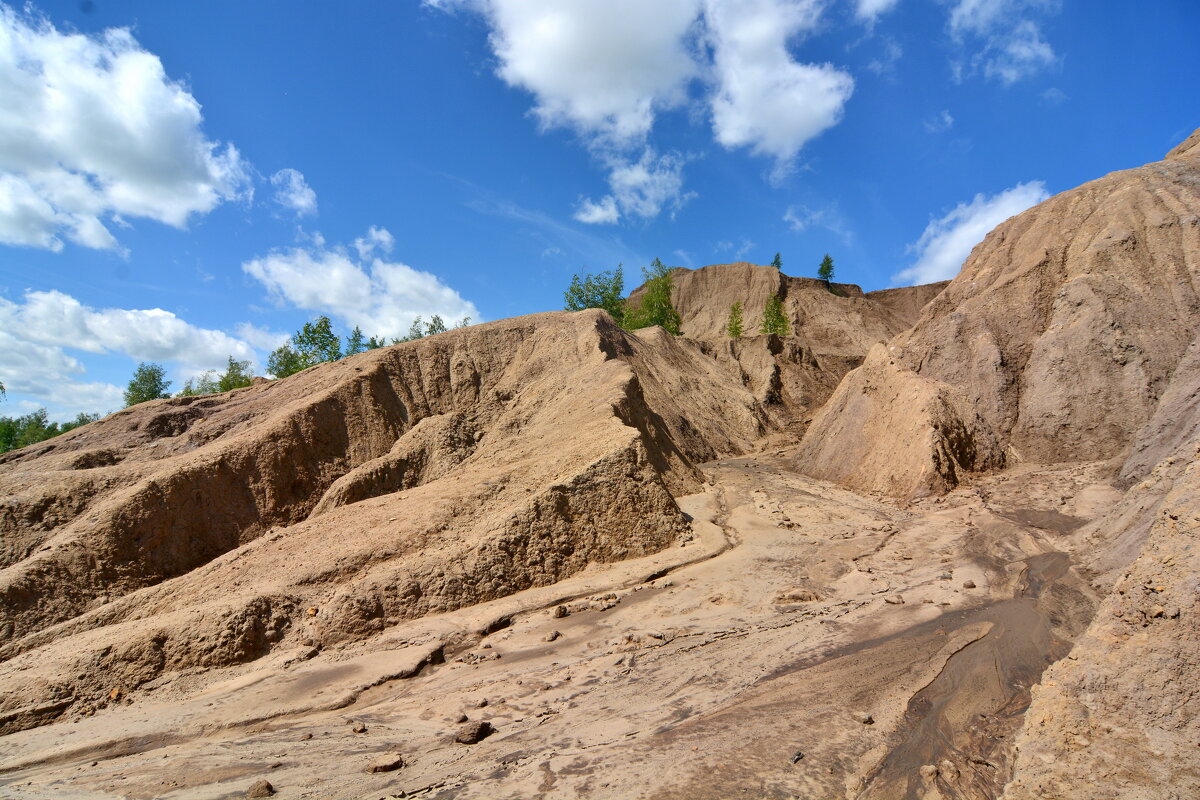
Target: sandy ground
(808, 642)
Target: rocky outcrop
(833, 326)
(835, 317)
(1062, 333)
(887, 429)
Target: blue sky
(180, 182)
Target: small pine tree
(735, 325)
(415, 331)
(825, 271)
(778, 262)
(774, 320)
(355, 342)
(148, 383)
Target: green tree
(317, 342)
(655, 307)
(825, 271)
(313, 343)
(17, 432)
(415, 331)
(465, 322)
(204, 383)
(284, 361)
(148, 383)
(601, 290)
(376, 342)
(435, 325)
(774, 319)
(355, 342)
(236, 376)
(778, 262)
(735, 325)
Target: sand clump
(888, 429)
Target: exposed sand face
(703, 682)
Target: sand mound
(397, 483)
(1066, 323)
(837, 317)
(1062, 333)
(888, 429)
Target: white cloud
(599, 212)
(36, 333)
(940, 122)
(764, 99)
(602, 67)
(870, 10)
(376, 239)
(379, 296)
(640, 188)
(1008, 43)
(607, 68)
(57, 319)
(1020, 54)
(947, 241)
(293, 192)
(91, 128)
(885, 65)
(1054, 96)
(30, 368)
(739, 251)
(259, 337)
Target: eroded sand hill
(866, 560)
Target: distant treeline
(17, 432)
(314, 343)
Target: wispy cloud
(293, 192)
(801, 218)
(1002, 39)
(948, 240)
(939, 122)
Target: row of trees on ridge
(606, 290)
(314, 343)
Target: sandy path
(700, 672)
